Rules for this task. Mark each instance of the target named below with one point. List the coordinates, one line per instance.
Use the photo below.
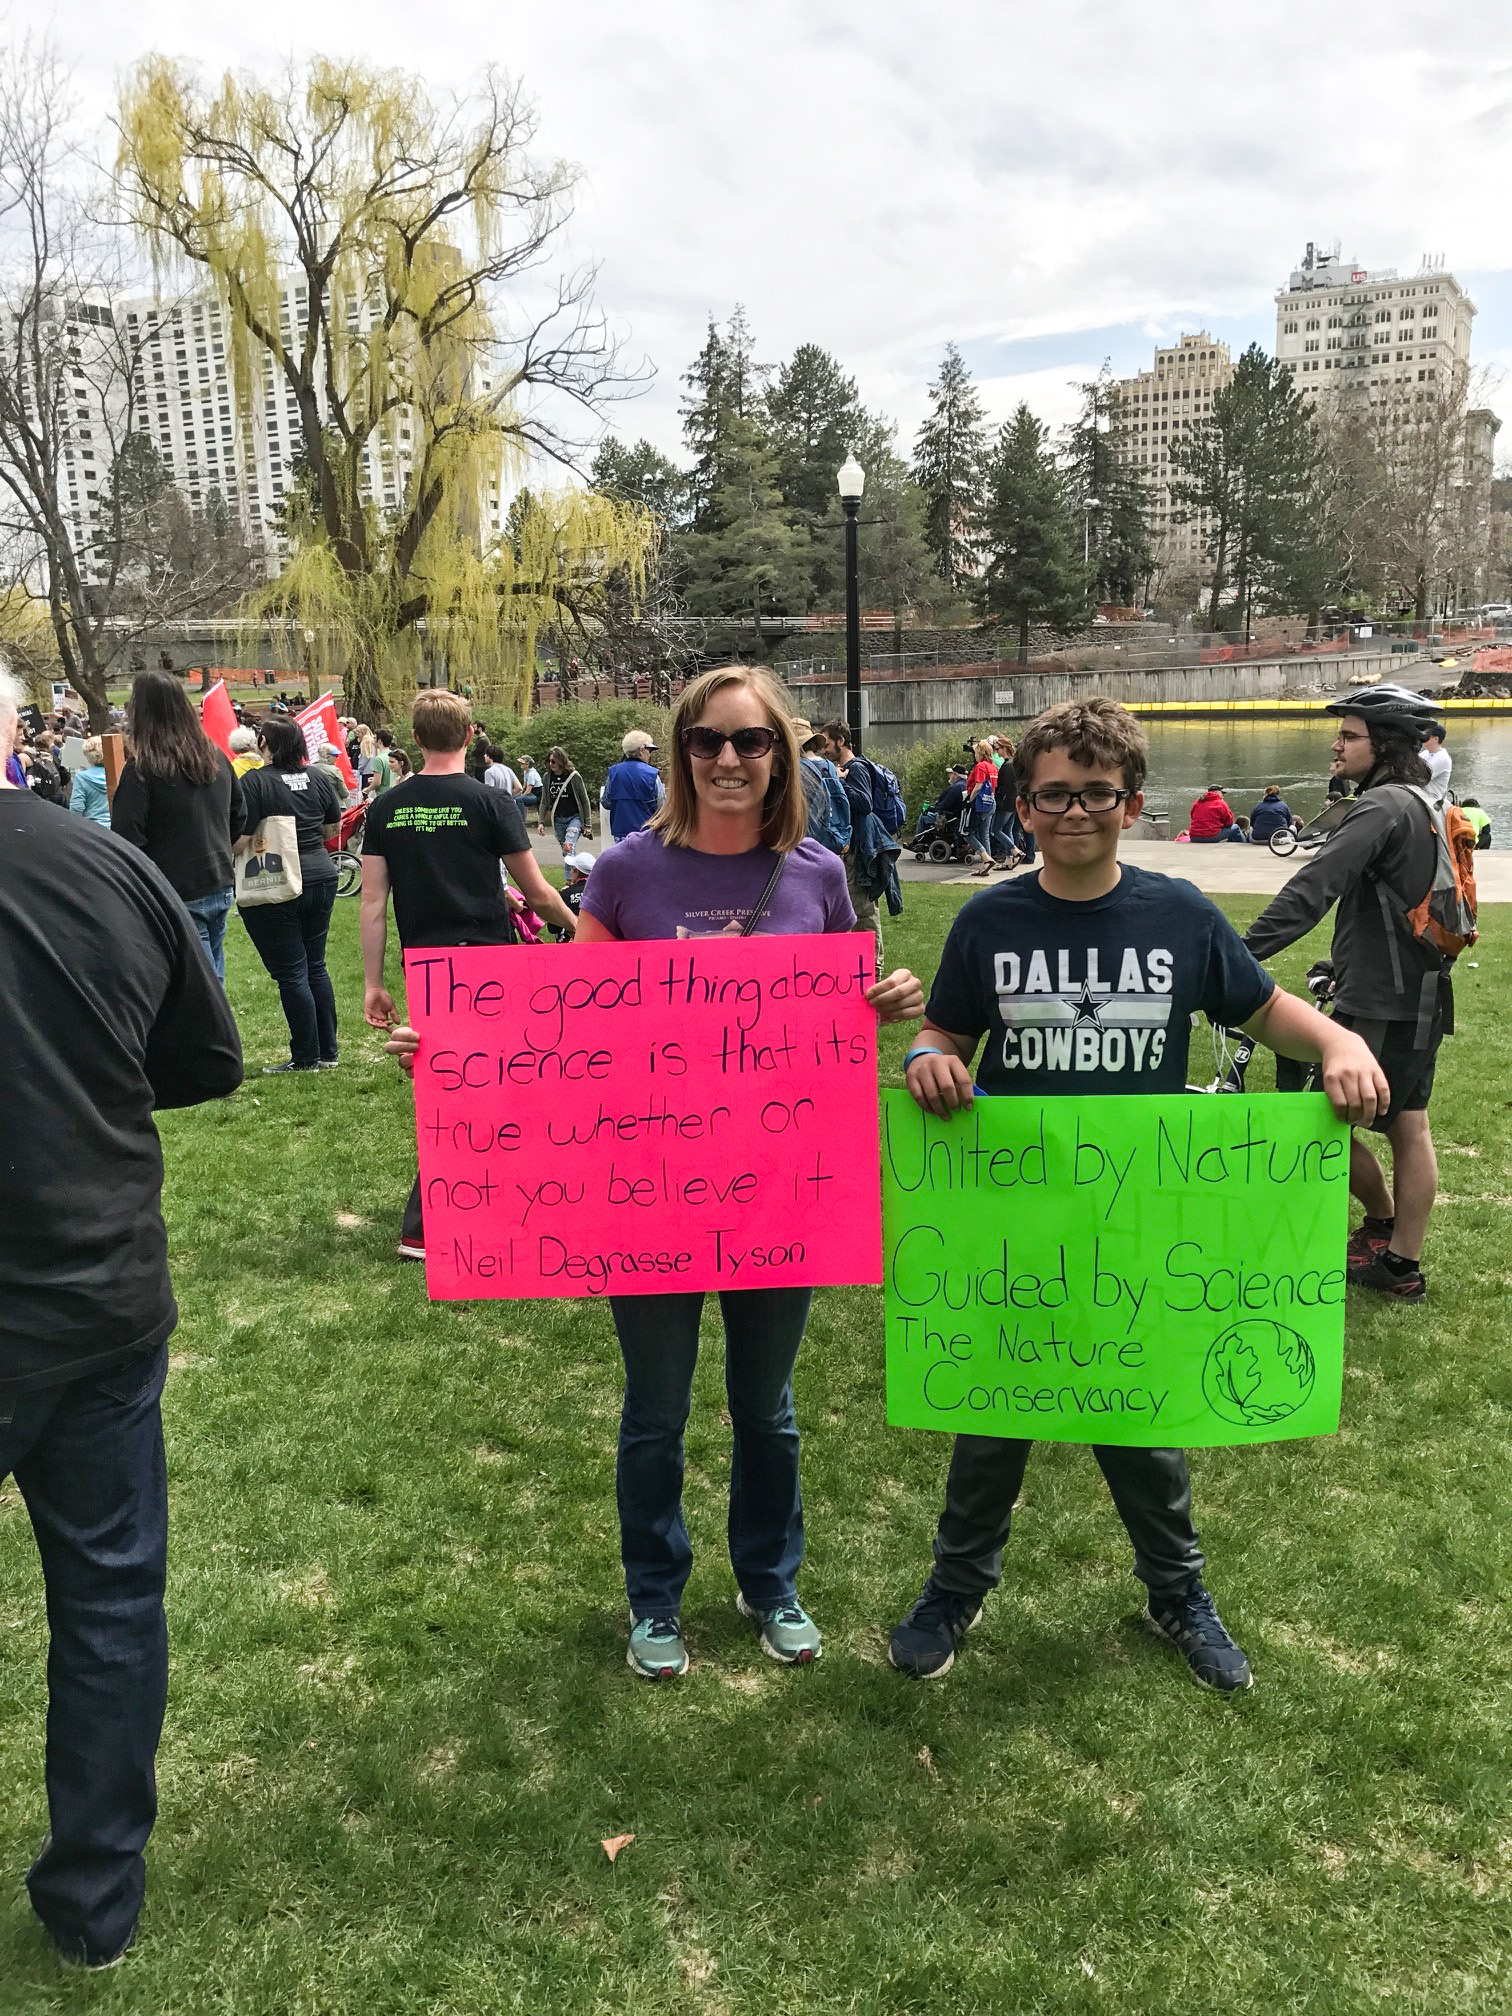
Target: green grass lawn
(400, 1719)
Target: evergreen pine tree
(949, 457)
(704, 414)
(1034, 571)
(1252, 465)
(816, 419)
(1105, 487)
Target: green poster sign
(1160, 1272)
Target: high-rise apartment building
(186, 406)
(182, 400)
(1343, 328)
(1155, 410)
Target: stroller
(347, 848)
(948, 841)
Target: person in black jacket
(180, 802)
(108, 1009)
(291, 937)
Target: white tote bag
(268, 871)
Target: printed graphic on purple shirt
(642, 888)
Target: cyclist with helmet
(1392, 989)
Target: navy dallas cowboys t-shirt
(1096, 997)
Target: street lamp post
(1092, 504)
(309, 644)
(852, 482)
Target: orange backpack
(1446, 917)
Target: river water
(1243, 756)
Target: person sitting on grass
(1135, 954)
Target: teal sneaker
(788, 1633)
(657, 1651)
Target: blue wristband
(922, 1050)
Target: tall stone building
(1152, 412)
(1342, 327)
(1397, 347)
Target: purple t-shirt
(643, 889)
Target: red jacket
(1210, 816)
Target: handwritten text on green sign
(1151, 1272)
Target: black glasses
(707, 744)
(1091, 798)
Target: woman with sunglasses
(726, 849)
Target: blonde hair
(94, 749)
(784, 812)
(441, 721)
(982, 750)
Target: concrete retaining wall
(988, 692)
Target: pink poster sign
(640, 1119)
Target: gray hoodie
(1383, 973)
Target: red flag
(218, 716)
(320, 726)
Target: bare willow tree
(1411, 470)
(71, 391)
(386, 261)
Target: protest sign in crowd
(681, 1100)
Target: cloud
(997, 174)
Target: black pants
(88, 1460)
(412, 1228)
(1151, 1489)
(291, 941)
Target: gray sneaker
(656, 1649)
(788, 1633)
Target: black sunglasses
(707, 744)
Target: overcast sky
(1046, 185)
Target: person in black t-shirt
(109, 1008)
(1082, 979)
(438, 841)
(291, 937)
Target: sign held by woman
(673, 1114)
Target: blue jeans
(291, 941)
(568, 832)
(1008, 832)
(658, 1336)
(210, 914)
(88, 1460)
(981, 823)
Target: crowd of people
(111, 1005)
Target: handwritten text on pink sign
(639, 1119)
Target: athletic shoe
(1364, 1244)
(81, 1959)
(1191, 1623)
(656, 1649)
(924, 1644)
(788, 1633)
(1377, 1276)
(328, 1064)
(277, 1070)
(410, 1249)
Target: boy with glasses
(1083, 979)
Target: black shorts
(1409, 1071)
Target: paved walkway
(1224, 870)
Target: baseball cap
(582, 861)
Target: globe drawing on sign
(1257, 1373)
